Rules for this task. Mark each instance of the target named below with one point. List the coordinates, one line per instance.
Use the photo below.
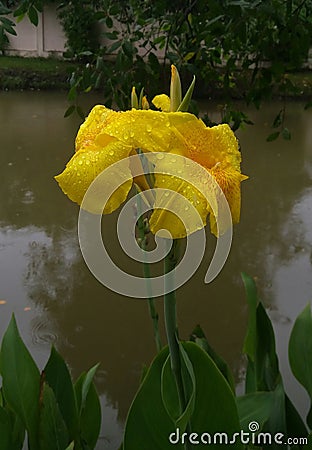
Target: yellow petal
(229, 181)
(209, 146)
(84, 167)
(162, 102)
(177, 213)
(150, 130)
(95, 123)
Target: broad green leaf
(53, 434)
(169, 392)
(277, 420)
(90, 422)
(254, 407)
(5, 431)
(250, 342)
(251, 379)
(21, 381)
(295, 425)
(58, 378)
(266, 364)
(148, 424)
(83, 385)
(300, 352)
(198, 336)
(148, 414)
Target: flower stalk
(142, 231)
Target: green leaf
(169, 392)
(20, 10)
(69, 110)
(278, 120)
(33, 16)
(84, 386)
(300, 353)
(184, 106)
(198, 336)
(273, 136)
(277, 419)
(20, 17)
(295, 425)
(21, 381)
(114, 46)
(89, 407)
(71, 446)
(149, 426)
(72, 94)
(5, 431)
(80, 112)
(109, 22)
(128, 49)
(53, 434)
(267, 371)
(188, 56)
(90, 422)
(10, 423)
(286, 134)
(254, 407)
(4, 9)
(58, 378)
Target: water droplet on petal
(111, 152)
(160, 156)
(80, 163)
(148, 128)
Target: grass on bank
(34, 73)
(51, 73)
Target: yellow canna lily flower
(108, 136)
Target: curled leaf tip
(175, 89)
(134, 99)
(145, 104)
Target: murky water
(45, 282)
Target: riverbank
(18, 73)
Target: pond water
(56, 300)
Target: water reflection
(42, 268)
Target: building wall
(46, 39)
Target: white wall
(46, 39)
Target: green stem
(171, 323)
(147, 276)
